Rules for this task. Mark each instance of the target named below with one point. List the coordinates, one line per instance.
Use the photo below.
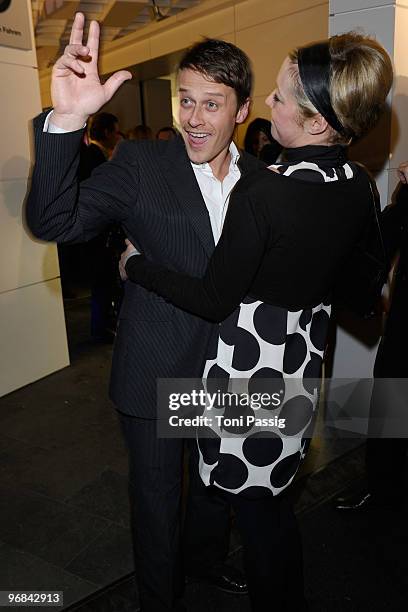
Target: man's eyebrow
(211, 94)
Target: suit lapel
(180, 176)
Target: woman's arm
(230, 272)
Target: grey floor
(63, 501)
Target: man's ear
(243, 111)
(316, 125)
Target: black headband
(314, 72)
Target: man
(385, 455)
(171, 198)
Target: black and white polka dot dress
(265, 348)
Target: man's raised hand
(76, 90)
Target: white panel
(24, 260)
(377, 22)
(20, 101)
(18, 56)
(343, 6)
(32, 335)
(399, 129)
(352, 359)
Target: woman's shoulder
(257, 180)
(261, 180)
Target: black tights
(272, 553)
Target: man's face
(208, 115)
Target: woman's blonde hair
(361, 77)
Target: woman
(285, 236)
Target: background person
(166, 133)
(269, 282)
(103, 251)
(140, 132)
(260, 142)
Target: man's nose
(196, 117)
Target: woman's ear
(316, 125)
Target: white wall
(32, 326)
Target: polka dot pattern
(318, 329)
(262, 448)
(231, 472)
(305, 318)
(209, 448)
(295, 353)
(297, 413)
(264, 460)
(246, 350)
(266, 380)
(270, 323)
(285, 470)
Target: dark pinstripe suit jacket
(150, 188)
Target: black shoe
(226, 578)
(358, 502)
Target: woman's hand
(403, 172)
(131, 250)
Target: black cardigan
(283, 241)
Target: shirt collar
(235, 155)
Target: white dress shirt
(216, 193)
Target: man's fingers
(70, 63)
(114, 82)
(93, 39)
(76, 50)
(77, 31)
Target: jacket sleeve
(61, 209)
(230, 272)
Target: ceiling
(53, 20)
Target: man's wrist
(69, 123)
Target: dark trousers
(272, 553)
(155, 482)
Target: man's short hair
(100, 123)
(221, 62)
